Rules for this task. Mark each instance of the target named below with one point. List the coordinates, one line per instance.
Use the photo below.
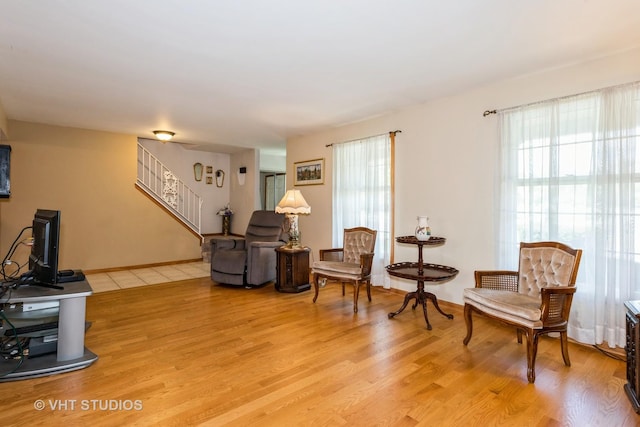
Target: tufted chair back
(542, 265)
(357, 241)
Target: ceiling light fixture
(163, 135)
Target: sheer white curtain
(570, 172)
(362, 195)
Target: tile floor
(102, 282)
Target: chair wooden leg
(519, 335)
(564, 345)
(315, 286)
(369, 290)
(356, 291)
(342, 288)
(532, 351)
(468, 322)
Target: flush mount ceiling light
(163, 135)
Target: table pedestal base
(421, 298)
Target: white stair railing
(159, 182)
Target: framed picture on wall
(309, 172)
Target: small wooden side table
(292, 267)
(421, 272)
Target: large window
(570, 172)
(362, 195)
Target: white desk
(71, 353)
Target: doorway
(273, 189)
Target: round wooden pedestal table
(421, 272)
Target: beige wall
(3, 124)
(446, 159)
(244, 198)
(89, 176)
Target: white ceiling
(251, 73)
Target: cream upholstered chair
(536, 299)
(349, 264)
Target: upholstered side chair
(536, 299)
(349, 264)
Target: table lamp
(293, 204)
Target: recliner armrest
(261, 261)
(255, 249)
(234, 243)
(225, 245)
(504, 280)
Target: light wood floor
(190, 352)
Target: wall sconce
(163, 135)
(242, 173)
(219, 178)
(197, 171)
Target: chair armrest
(556, 304)
(222, 244)
(225, 245)
(335, 254)
(497, 279)
(261, 262)
(366, 261)
(240, 243)
(255, 250)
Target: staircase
(170, 192)
(206, 247)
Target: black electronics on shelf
(5, 176)
(43, 260)
(66, 276)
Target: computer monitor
(43, 260)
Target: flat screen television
(5, 176)
(43, 260)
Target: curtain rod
(489, 112)
(370, 136)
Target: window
(362, 195)
(570, 172)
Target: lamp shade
(293, 203)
